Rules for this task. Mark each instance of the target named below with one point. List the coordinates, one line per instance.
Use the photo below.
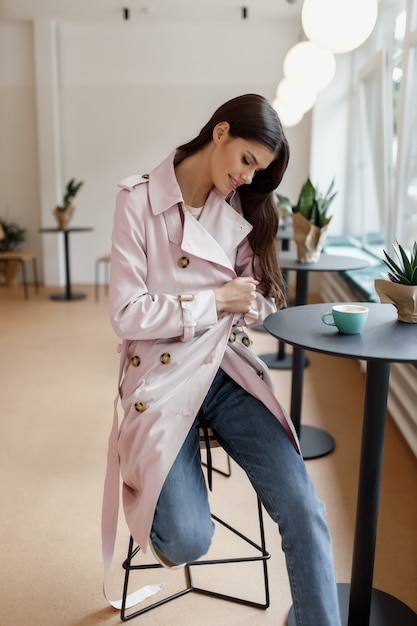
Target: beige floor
(58, 370)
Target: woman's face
(235, 161)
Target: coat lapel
(215, 237)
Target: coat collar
(215, 236)
(164, 191)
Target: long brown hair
(251, 117)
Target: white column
(45, 38)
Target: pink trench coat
(165, 265)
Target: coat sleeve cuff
(198, 313)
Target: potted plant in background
(400, 286)
(310, 219)
(64, 212)
(12, 236)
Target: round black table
(314, 441)
(68, 294)
(383, 340)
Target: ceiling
(150, 11)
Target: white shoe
(164, 561)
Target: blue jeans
(182, 527)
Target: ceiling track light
(126, 13)
(245, 13)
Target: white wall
(19, 181)
(128, 94)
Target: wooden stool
(22, 258)
(207, 440)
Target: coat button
(183, 262)
(165, 358)
(246, 341)
(135, 360)
(140, 407)
(232, 337)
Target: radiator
(402, 397)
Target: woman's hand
(237, 296)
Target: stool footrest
(264, 556)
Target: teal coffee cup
(348, 318)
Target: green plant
(71, 191)
(311, 204)
(403, 270)
(11, 235)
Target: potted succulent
(399, 287)
(64, 212)
(310, 219)
(12, 235)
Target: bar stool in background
(105, 261)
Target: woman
(193, 264)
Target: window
(406, 190)
(386, 176)
(375, 187)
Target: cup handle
(325, 316)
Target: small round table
(68, 294)
(314, 441)
(383, 340)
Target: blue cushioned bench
(361, 281)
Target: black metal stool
(207, 441)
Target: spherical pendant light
(338, 25)
(302, 96)
(307, 64)
(289, 116)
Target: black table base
(275, 361)
(279, 360)
(315, 442)
(68, 295)
(64, 297)
(385, 610)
